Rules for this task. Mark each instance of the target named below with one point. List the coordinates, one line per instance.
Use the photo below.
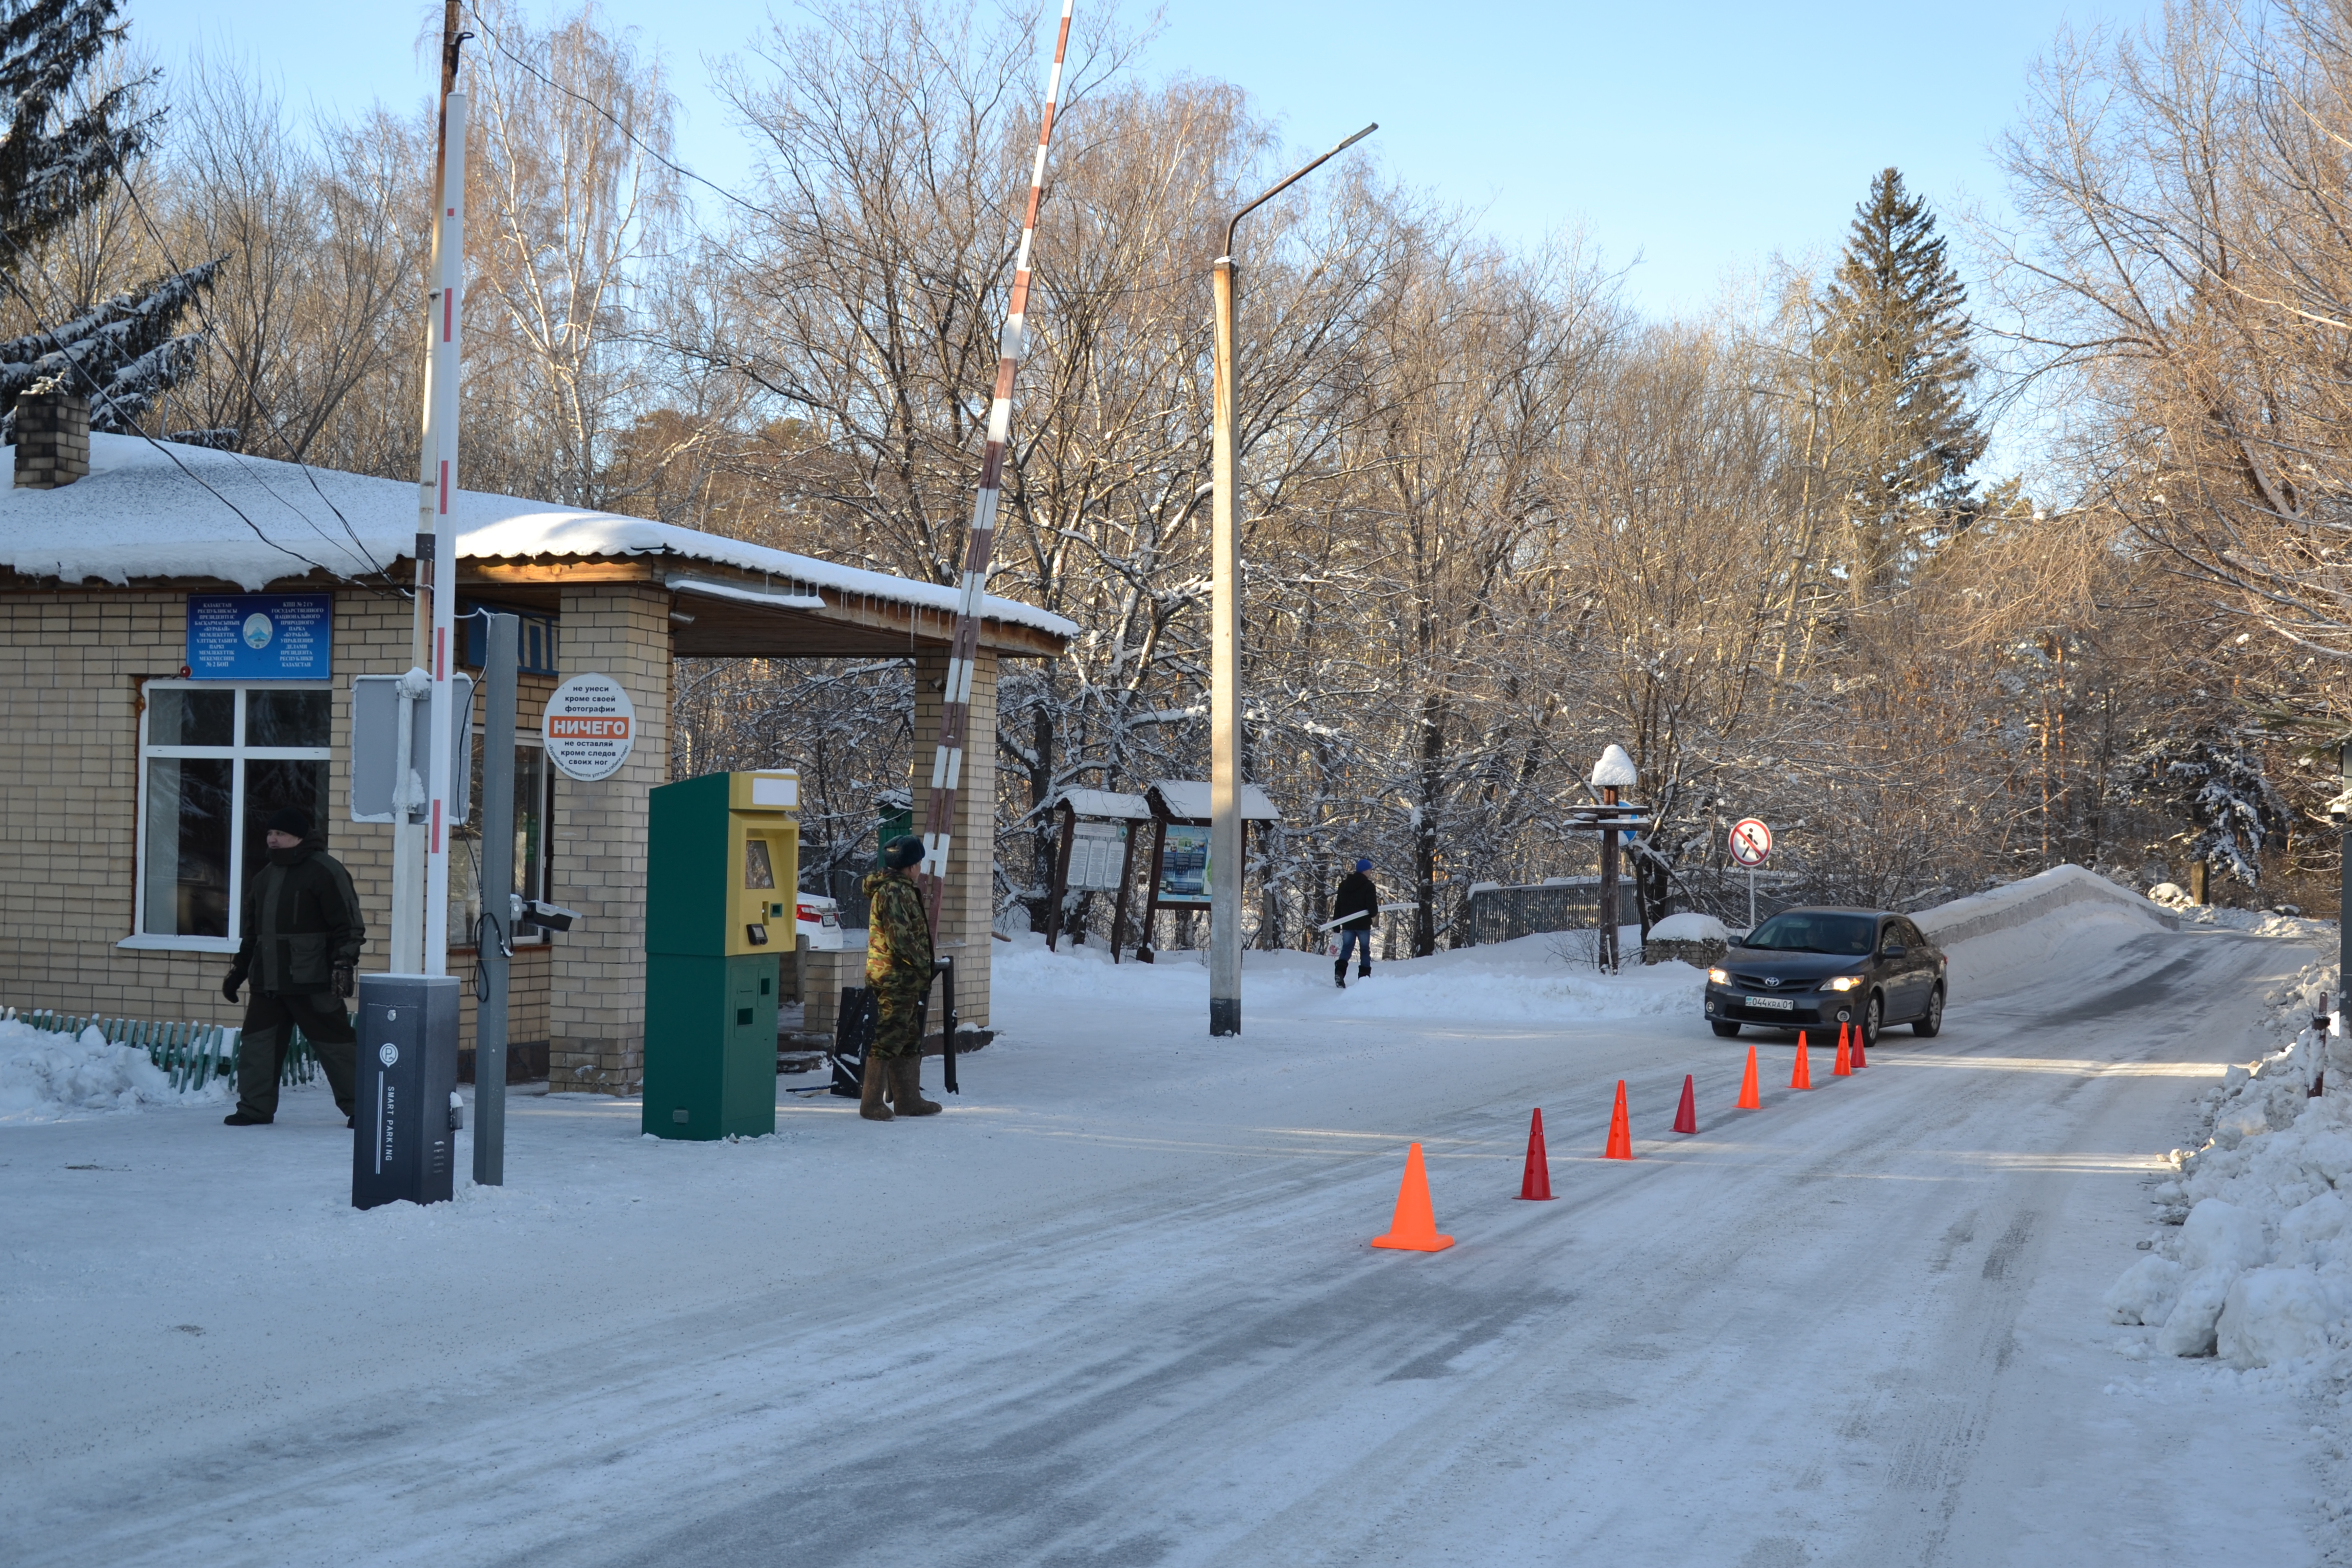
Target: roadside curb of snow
(2248, 1273)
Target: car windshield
(1851, 935)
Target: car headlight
(1718, 977)
(1843, 983)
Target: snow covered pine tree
(58, 159)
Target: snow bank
(48, 1077)
(1690, 926)
(2028, 900)
(1532, 979)
(2259, 1270)
(2260, 923)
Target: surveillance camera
(536, 914)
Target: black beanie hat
(290, 819)
(901, 853)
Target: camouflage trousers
(899, 1013)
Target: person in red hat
(302, 939)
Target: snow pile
(1527, 981)
(2259, 1271)
(48, 1077)
(2260, 923)
(1690, 926)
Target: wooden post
(1609, 883)
(1061, 876)
(1126, 880)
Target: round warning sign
(1751, 841)
(590, 726)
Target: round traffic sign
(590, 727)
(1751, 841)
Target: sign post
(1751, 843)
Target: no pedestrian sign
(1751, 841)
(590, 726)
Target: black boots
(907, 1088)
(1366, 972)
(1340, 973)
(242, 1117)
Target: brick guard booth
(138, 787)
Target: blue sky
(1701, 139)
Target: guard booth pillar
(722, 866)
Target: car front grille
(1757, 983)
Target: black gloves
(228, 986)
(345, 983)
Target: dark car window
(1799, 932)
(1908, 935)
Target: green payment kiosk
(722, 866)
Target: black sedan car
(1814, 969)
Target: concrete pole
(1225, 639)
(1224, 681)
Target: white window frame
(238, 753)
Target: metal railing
(190, 1054)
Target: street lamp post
(1225, 639)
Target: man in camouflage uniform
(302, 938)
(899, 968)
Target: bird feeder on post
(1611, 816)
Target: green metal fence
(191, 1054)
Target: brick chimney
(52, 439)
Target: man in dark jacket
(302, 939)
(1358, 898)
(899, 968)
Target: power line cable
(57, 347)
(163, 244)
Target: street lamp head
(1277, 189)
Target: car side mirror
(1892, 950)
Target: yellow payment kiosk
(722, 867)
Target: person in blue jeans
(1357, 897)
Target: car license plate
(1778, 1004)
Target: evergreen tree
(1892, 370)
(58, 159)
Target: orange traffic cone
(1414, 1228)
(1804, 1077)
(1686, 1114)
(1620, 1132)
(1860, 1057)
(1844, 1067)
(1537, 1182)
(1749, 1099)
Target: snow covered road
(1117, 1307)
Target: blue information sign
(261, 636)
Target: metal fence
(1564, 904)
(190, 1054)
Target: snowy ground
(1117, 1306)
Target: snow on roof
(1615, 769)
(157, 509)
(1108, 805)
(1188, 800)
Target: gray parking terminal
(407, 1072)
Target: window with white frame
(216, 759)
